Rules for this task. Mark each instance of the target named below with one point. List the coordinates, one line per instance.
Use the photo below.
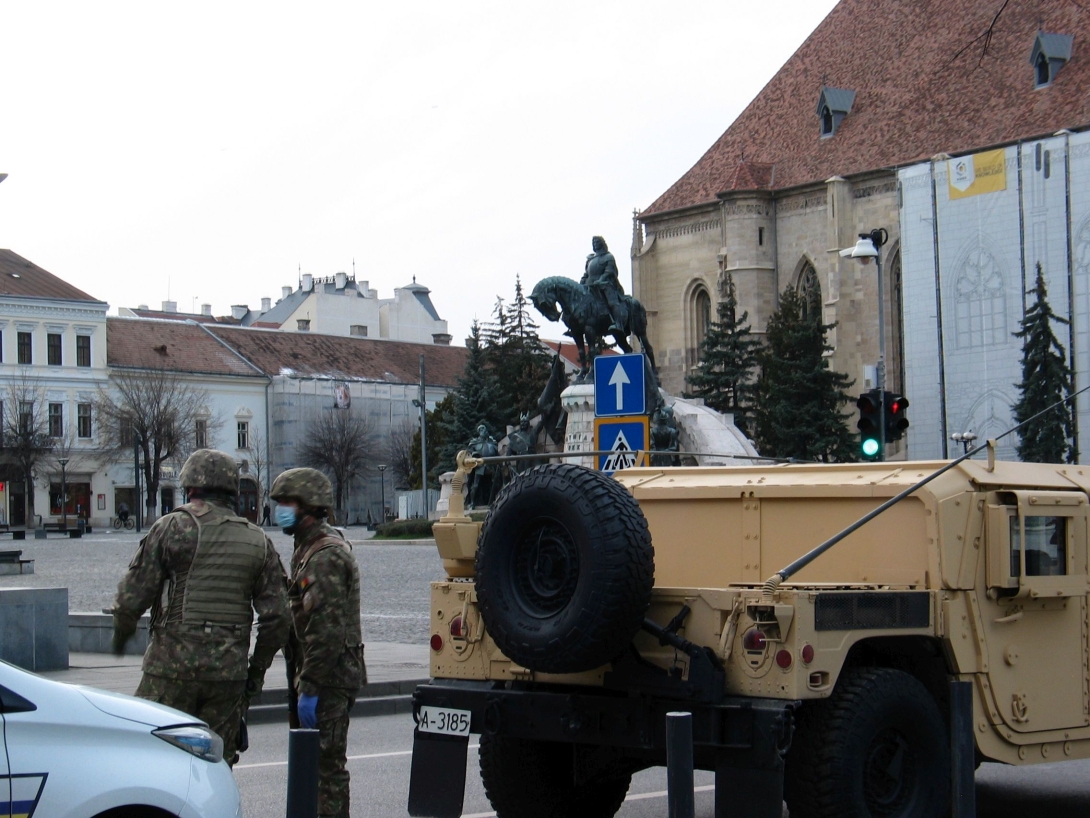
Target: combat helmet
(210, 470)
(309, 487)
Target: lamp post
(869, 247)
(382, 480)
(64, 494)
(964, 438)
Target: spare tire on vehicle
(565, 569)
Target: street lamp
(869, 247)
(64, 494)
(964, 438)
(382, 479)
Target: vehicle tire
(565, 569)
(536, 779)
(876, 748)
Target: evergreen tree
(798, 397)
(526, 365)
(728, 357)
(1046, 379)
(475, 401)
(496, 346)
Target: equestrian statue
(594, 308)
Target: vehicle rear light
(783, 659)
(753, 640)
(456, 627)
(807, 654)
(436, 642)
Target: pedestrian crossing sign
(625, 438)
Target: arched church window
(809, 289)
(826, 121)
(981, 303)
(897, 307)
(702, 316)
(1044, 75)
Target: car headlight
(195, 739)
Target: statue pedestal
(578, 402)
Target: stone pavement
(393, 671)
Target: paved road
(394, 578)
(380, 754)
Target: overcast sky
(207, 150)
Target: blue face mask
(285, 516)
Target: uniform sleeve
(141, 584)
(270, 600)
(325, 599)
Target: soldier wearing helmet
(326, 645)
(203, 571)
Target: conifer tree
(526, 366)
(1046, 379)
(728, 357)
(798, 397)
(475, 401)
(496, 345)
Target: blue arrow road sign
(618, 385)
(624, 437)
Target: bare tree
(399, 451)
(259, 461)
(155, 411)
(25, 427)
(342, 444)
(66, 448)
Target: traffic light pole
(876, 237)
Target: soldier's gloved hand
(255, 680)
(117, 644)
(308, 710)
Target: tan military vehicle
(563, 637)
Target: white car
(79, 752)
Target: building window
(200, 434)
(83, 419)
(981, 304)
(1, 346)
(56, 420)
(826, 121)
(26, 416)
(243, 434)
(302, 324)
(1, 423)
(809, 290)
(53, 349)
(124, 431)
(760, 236)
(83, 350)
(25, 354)
(699, 319)
(1044, 76)
(359, 330)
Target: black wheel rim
(889, 774)
(546, 568)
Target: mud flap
(437, 782)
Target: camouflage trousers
(218, 703)
(333, 796)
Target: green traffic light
(870, 447)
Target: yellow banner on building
(980, 173)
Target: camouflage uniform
(326, 645)
(200, 667)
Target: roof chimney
(441, 338)
(238, 311)
(206, 309)
(308, 283)
(142, 307)
(266, 304)
(342, 279)
(285, 292)
(170, 306)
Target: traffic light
(896, 417)
(869, 404)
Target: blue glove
(307, 709)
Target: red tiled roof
(569, 352)
(915, 96)
(307, 354)
(177, 346)
(25, 278)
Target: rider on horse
(601, 277)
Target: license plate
(444, 720)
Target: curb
(374, 699)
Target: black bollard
(680, 798)
(302, 774)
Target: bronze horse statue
(588, 320)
